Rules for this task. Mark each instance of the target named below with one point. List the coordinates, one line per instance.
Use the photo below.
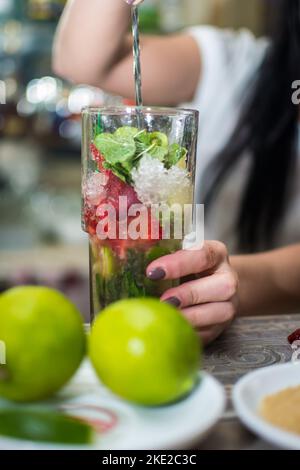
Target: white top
(230, 61)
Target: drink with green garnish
(137, 189)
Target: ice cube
(94, 189)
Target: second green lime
(145, 351)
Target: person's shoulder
(228, 60)
(227, 47)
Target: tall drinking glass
(138, 179)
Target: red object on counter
(294, 336)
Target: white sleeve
(229, 58)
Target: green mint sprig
(123, 149)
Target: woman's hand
(209, 301)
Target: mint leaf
(126, 132)
(154, 143)
(158, 152)
(123, 150)
(115, 149)
(119, 171)
(175, 154)
(130, 286)
(160, 144)
(118, 151)
(142, 141)
(159, 139)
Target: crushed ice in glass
(154, 184)
(95, 188)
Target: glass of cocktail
(138, 175)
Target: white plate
(251, 389)
(176, 426)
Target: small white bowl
(252, 388)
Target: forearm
(91, 34)
(269, 283)
(92, 46)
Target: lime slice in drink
(106, 263)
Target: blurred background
(40, 235)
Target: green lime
(44, 340)
(44, 426)
(145, 351)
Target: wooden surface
(249, 344)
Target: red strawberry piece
(116, 188)
(96, 155)
(131, 195)
(90, 220)
(113, 188)
(294, 336)
(99, 159)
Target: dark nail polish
(173, 301)
(157, 274)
